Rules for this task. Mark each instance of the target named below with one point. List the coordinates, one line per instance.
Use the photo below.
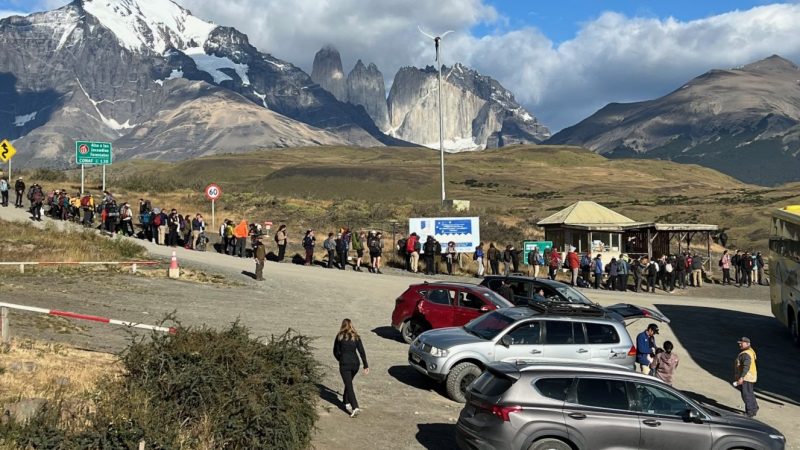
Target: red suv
(426, 306)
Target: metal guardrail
(134, 264)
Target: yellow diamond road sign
(6, 150)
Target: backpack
(85, 201)
(157, 220)
(417, 246)
(720, 262)
(668, 267)
(3, 186)
(112, 210)
(651, 270)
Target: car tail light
(500, 411)
(503, 411)
(420, 309)
(632, 351)
(645, 313)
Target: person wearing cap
(260, 255)
(646, 348)
(746, 376)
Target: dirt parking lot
(401, 410)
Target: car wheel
(794, 328)
(550, 444)
(459, 378)
(411, 329)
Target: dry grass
(22, 242)
(34, 369)
(328, 187)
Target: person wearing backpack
(19, 189)
(623, 269)
(554, 263)
(309, 241)
(330, 246)
(126, 218)
(478, 257)
(574, 265)
(36, 197)
(736, 262)
(586, 267)
(4, 192)
(534, 261)
(636, 270)
(697, 271)
(412, 248)
(597, 266)
(680, 269)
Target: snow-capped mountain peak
(150, 24)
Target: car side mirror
(692, 415)
(506, 341)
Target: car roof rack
(567, 309)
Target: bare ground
(401, 409)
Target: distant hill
(513, 186)
(744, 122)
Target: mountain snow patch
(151, 24)
(172, 76)
(212, 64)
(20, 121)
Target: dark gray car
(596, 407)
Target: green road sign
(98, 153)
(527, 247)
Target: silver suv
(520, 335)
(593, 407)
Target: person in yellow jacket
(746, 376)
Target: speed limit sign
(213, 192)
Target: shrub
(198, 389)
(49, 175)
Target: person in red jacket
(574, 265)
(412, 248)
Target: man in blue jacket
(646, 348)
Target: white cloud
(613, 58)
(7, 13)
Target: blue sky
(559, 20)
(563, 59)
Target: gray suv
(520, 335)
(594, 407)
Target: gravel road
(401, 410)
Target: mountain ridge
(743, 121)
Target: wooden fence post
(4, 331)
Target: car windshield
(573, 296)
(489, 325)
(497, 300)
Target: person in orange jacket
(241, 232)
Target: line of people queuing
(337, 248)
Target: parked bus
(784, 261)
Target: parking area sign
(97, 153)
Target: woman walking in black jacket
(345, 346)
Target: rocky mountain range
(478, 112)
(159, 83)
(744, 122)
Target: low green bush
(197, 389)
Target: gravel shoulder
(401, 409)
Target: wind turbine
(437, 40)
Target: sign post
(95, 153)
(7, 151)
(212, 193)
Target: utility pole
(437, 41)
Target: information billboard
(464, 231)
